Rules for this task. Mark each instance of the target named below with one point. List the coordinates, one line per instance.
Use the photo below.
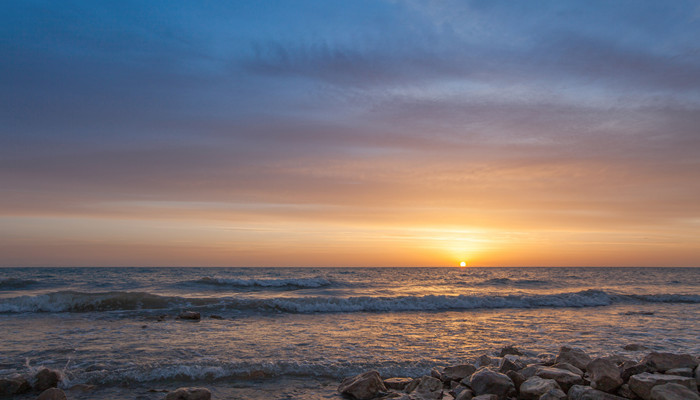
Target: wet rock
(362, 387)
(553, 394)
(516, 377)
(429, 388)
(661, 362)
(52, 394)
(535, 387)
(604, 375)
(12, 386)
(576, 357)
(634, 347)
(486, 381)
(483, 361)
(579, 392)
(568, 367)
(510, 349)
(565, 379)
(673, 391)
(397, 383)
(190, 315)
(510, 365)
(457, 372)
(680, 372)
(46, 378)
(641, 384)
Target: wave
(14, 283)
(293, 283)
(513, 282)
(69, 301)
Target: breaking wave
(298, 283)
(69, 301)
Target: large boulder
(564, 378)
(397, 383)
(364, 386)
(192, 393)
(486, 381)
(641, 384)
(46, 378)
(673, 391)
(52, 394)
(536, 387)
(604, 375)
(662, 362)
(579, 392)
(458, 372)
(576, 357)
(12, 386)
(429, 388)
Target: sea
(295, 333)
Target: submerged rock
(46, 378)
(486, 381)
(673, 391)
(193, 393)
(535, 387)
(641, 384)
(604, 375)
(362, 387)
(11, 386)
(52, 394)
(576, 357)
(634, 347)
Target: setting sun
(463, 264)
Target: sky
(349, 133)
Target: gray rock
(510, 365)
(486, 381)
(412, 386)
(641, 384)
(554, 394)
(429, 388)
(464, 393)
(531, 370)
(631, 368)
(516, 377)
(604, 375)
(435, 373)
(458, 372)
(510, 350)
(680, 372)
(568, 367)
(626, 392)
(579, 392)
(697, 374)
(483, 361)
(576, 357)
(564, 378)
(634, 347)
(661, 362)
(536, 387)
(11, 386)
(397, 383)
(46, 379)
(673, 391)
(486, 397)
(192, 393)
(362, 387)
(190, 315)
(52, 394)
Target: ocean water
(294, 333)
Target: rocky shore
(513, 374)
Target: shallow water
(294, 333)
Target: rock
(52, 394)
(604, 375)
(641, 384)
(397, 383)
(547, 359)
(193, 393)
(673, 391)
(576, 357)
(554, 394)
(661, 362)
(508, 365)
(486, 397)
(629, 369)
(435, 373)
(634, 347)
(429, 388)
(486, 381)
(458, 372)
(11, 386)
(568, 367)
(516, 377)
(697, 374)
(81, 387)
(531, 370)
(510, 349)
(464, 393)
(412, 386)
(482, 361)
(578, 392)
(190, 315)
(214, 316)
(46, 379)
(362, 387)
(680, 372)
(616, 359)
(626, 392)
(535, 387)
(565, 379)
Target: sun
(463, 264)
